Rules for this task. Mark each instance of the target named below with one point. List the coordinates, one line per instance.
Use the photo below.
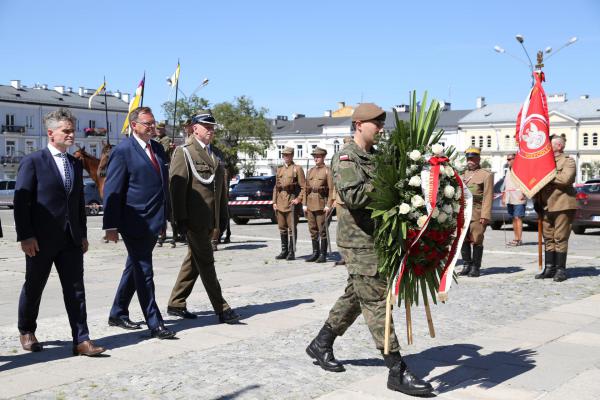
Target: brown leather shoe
(87, 348)
(30, 343)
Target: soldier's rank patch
(344, 157)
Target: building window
(110, 127)
(29, 121)
(480, 142)
(594, 139)
(489, 141)
(10, 119)
(280, 150)
(11, 148)
(92, 124)
(336, 146)
(585, 139)
(473, 141)
(299, 151)
(94, 150)
(29, 146)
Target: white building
(22, 110)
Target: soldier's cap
(557, 136)
(204, 117)
(473, 152)
(287, 150)
(317, 151)
(367, 112)
(161, 125)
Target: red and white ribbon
(249, 202)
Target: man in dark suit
(135, 205)
(50, 221)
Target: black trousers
(67, 256)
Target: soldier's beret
(317, 151)
(287, 150)
(368, 111)
(473, 152)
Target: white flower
(417, 201)
(442, 217)
(414, 167)
(408, 171)
(456, 207)
(421, 221)
(404, 208)
(449, 191)
(457, 195)
(435, 212)
(415, 181)
(447, 208)
(415, 155)
(437, 149)
(449, 171)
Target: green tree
(186, 108)
(243, 129)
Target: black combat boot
(402, 380)
(477, 255)
(291, 250)
(284, 247)
(323, 256)
(561, 267)
(315, 254)
(549, 266)
(465, 251)
(321, 349)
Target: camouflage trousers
(364, 294)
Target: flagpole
(175, 108)
(106, 114)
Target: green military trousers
(366, 294)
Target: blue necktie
(67, 170)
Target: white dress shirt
(56, 156)
(143, 145)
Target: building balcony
(10, 159)
(13, 129)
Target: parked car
(251, 198)
(500, 214)
(7, 192)
(588, 207)
(93, 202)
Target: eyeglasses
(510, 159)
(146, 124)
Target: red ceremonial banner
(534, 165)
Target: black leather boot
(321, 349)
(284, 247)
(315, 254)
(477, 255)
(465, 251)
(549, 266)
(561, 267)
(291, 256)
(402, 380)
(323, 256)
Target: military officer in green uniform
(318, 199)
(481, 184)
(287, 202)
(353, 171)
(558, 204)
(199, 204)
(162, 138)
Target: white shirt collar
(140, 141)
(53, 150)
(201, 143)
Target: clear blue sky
(302, 56)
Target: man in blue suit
(135, 205)
(50, 221)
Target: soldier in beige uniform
(557, 204)
(287, 196)
(162, 138)
(481, 184)
(199, 204)
(318, 199)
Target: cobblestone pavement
(283, 305)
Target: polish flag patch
(344, 157)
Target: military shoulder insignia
(344, 157)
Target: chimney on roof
(69, 89)
(557, 98)
(81, 90)
(327, 113)
(117, 94)
(45, 86)
(125, 97)
(16, 83)
(445, 105)
(60, 89)
(402, 108)
(341, 104)
(584, 96)
(282, 118)
(480, 102)
(297, 116)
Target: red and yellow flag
(534, 164)
(135, 103)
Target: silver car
(7, 193)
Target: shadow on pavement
(243, 247)
(237, 393)
(500, 270)
(56, 350)
(577, 272)
(469, 367)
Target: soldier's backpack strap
(190, 162)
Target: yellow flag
(175, 77)
(95, 94)
(135, 103)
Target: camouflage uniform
(353, 170)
